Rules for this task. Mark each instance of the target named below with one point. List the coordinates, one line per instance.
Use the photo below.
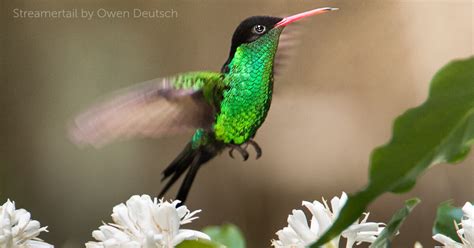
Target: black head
(250, 30)
(253, 28)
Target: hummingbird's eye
(259, 29)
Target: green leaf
(446, 215)
(199, 244)
(390, 231)
(228, 235)
(440, 130)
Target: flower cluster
(298, 234)
(18, 230)
(465, 233)
(145, 223)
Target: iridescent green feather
(196, 80)
(247, 99)
(210, 83)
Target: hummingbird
(224, 109)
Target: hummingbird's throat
(258, 55)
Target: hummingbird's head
(256, 28)
(253, 28)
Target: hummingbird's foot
(257, 148)
(242, 151)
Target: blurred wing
(153, 108)
(287, 44)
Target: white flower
(465, 233)
(146, 223)
(298, 234)
(18, 230)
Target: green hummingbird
(224, 109)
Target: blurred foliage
(225, 236)
(446, 218)
(391, 230)
(228, 235)
(440, 130)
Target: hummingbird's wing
(287, 45)
(153, 108)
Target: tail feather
(179, 163)
(189, 179)
(190, 159)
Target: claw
(244, 154)
(257, 148)
(242, 151)
(231, 153)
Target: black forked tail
(190, 159)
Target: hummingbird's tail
(190, 159)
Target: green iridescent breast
(247, 99)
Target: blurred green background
(355, 70)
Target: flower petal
(446, 241)
(297, 221)
(322, 215)
(185, 234)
